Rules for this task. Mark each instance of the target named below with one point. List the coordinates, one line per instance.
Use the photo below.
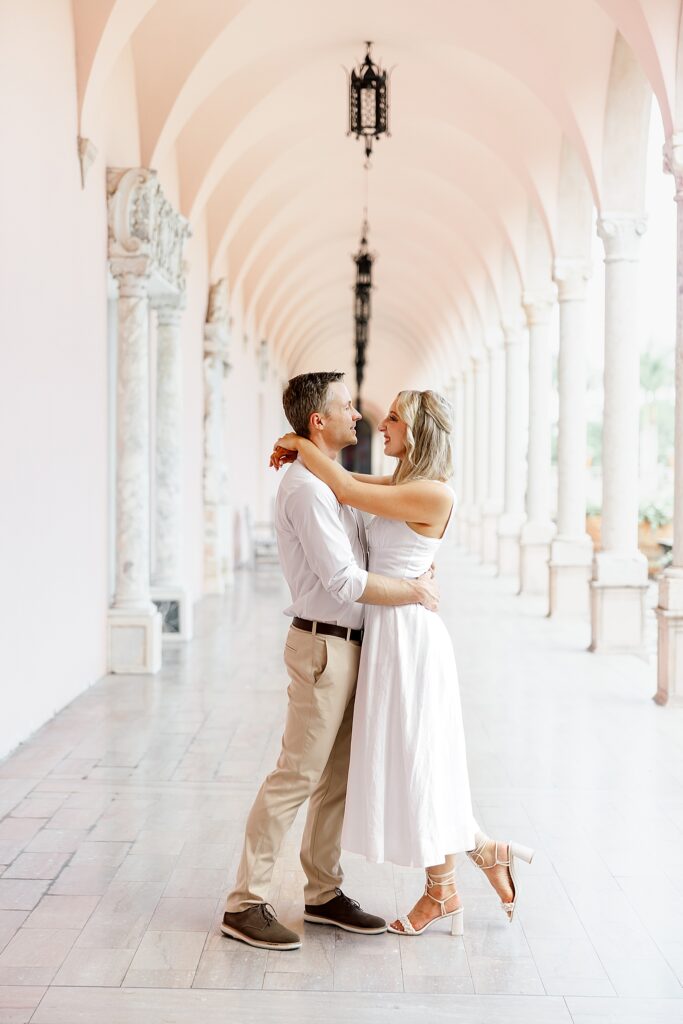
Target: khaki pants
(313, 762)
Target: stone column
(571, 552)
(670, 604)
(468, 506)
(481, 451)
(539, 529)
(170, 597)
(510, 525)
(145, 238)
(134, 624)
(459, 453)
(619, 577)
(218, 526)
(493, 506)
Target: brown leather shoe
(258, 926)
(343, 912)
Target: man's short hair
(306, 394)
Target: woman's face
(394, 430)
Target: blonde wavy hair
(429, 422)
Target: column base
(617, 619)
(133, 642)
(534, 556)
(509, 532)
(489, 537)
(618, 590)
(570, 575)
(175, 609)
(670, 638)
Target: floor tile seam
(35, 1011)
(653, 939)
(136, 948)
(585, 931)
(208, 938)
(50, 881)
(400, 944)
(124, 786)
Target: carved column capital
(169, 308)
(571, 277)
(132, 279)
(217, 325)
(673, 161)
(145, 234)
(480, 360)
(621, 234)
(513, 334)
(538, 306)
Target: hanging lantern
(368, 102)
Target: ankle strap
(477, 856)
(446, 879)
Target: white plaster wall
(53, 397)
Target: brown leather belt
(327, 629)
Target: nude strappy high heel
(514, 850)
(456, 916)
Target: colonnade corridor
(123, 820)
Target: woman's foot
(494, 859)
(428, 907)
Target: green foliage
(594, 439)
(656, 513)
(655, 374)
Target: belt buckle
(349, 631)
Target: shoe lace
(347, 900)
(268, 913)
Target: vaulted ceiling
(248, 99)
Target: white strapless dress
(408, 799)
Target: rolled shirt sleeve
(314, 516)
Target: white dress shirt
(323, 550)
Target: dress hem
(428, 861)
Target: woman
(408, 797)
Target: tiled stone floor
(123, 818)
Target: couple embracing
(374, 735)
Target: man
(323, 552)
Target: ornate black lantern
(368, 102)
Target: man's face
(341, 418)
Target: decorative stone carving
(87, 154)
(571, 277)
(217, 512)
(621, 234)
(146, 238)
(146, 235)
(538, 307)
(168, 594)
